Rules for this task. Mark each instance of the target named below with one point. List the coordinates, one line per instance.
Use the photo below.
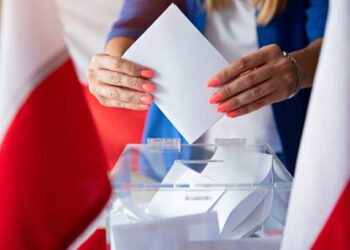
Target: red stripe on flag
(116, 127)
(335, 233)
(53, 180)
(96, 241)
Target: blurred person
(273, 46)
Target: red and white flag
(53, 180)
(319, 211)
(86, 25)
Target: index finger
(118, 64)
(242, 65)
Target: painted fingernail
(144, 107)
(215, 98)
(149, 87)
(213, 82)
(223, 107)
(146, 99)
(147, 73)
(232, 113)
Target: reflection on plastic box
(167, 194)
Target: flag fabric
(97, 241)
(319, 211)
(116, 127)
(86, 24)
(53, 180)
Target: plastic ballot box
(172, 196)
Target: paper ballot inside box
(166, 233)
(162, 186)
(233, 207)
(273, 243)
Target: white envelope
(239, 244)
(238, 166)
(183, 60)
(174, 203)
(166, 233)
(234, 206)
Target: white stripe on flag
(31, 37)
(323, 167)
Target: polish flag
(53, 180)
(319, 211)
(86, 25)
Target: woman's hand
(116, 82)
(254, 81)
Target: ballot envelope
(168, 195)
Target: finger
(266, 100)
(115, 63)
(123, 95)
(90, 75)
(243, 64)
(244, 82)
(123, 80)
(117, 104)
(249, 96)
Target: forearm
(307, 59)
(118, 45)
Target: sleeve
(316, 17)
(136, 16)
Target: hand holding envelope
(183, 60)
(173, 54)
(117, 82)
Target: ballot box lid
(146, 166)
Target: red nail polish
(213, 82)
(147, 73)
(146, 99)
(232, 113)
(223, 107)
(149, 87)
(215, 98)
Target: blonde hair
(267, 9)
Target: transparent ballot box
(167, 195)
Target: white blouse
(233, 32)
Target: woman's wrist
(299, 76)
(118, 45)
(307, 59)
